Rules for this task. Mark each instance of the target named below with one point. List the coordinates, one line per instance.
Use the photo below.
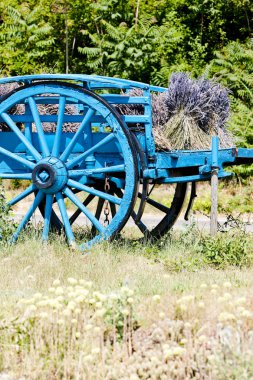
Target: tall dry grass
(120, 314)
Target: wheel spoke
(22, 195)
(54, 221)
(98, 213)
(27, 176)
(48, 212)
(142, 227)
(28, 125)
(119, 193)
(80, 205)
(113, 209)
(21, 136)
(78, 211)
(89, 172)
(28, 215)
(58, 134)
(91, 190)
(85, 122)
(65, 218)
(156, 204)
(37, 121)
(17, 158)
(82, 156)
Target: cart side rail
(93, 81)
(143, 121)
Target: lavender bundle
(44, 109)
(5, 89)
(52, 109)
(197, 109)
(187, 115)
(159, 114)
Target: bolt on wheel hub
(50, 175)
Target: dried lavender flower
(6, 89)
(197, 109)
(44, 109)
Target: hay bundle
(187, 115)
(197, 109)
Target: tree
(233, 66)
(136, 52)
(26, 41)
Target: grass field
(178, 309)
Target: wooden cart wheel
(163, 216)
(59, 165)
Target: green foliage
(139, 40)
(7, 224)
(197, 250)
(16, 184)
(233, 248)
(26, 41)
(113, 11)
(233, 66)
(229, 201)
(131, 52)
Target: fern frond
(89, 51)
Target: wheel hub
(50, 175)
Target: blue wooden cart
(93, 157)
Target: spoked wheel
(160, 215)
(60, 165)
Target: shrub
(226, 249)
(7, 223)
(193, 249)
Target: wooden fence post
(214, 187)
